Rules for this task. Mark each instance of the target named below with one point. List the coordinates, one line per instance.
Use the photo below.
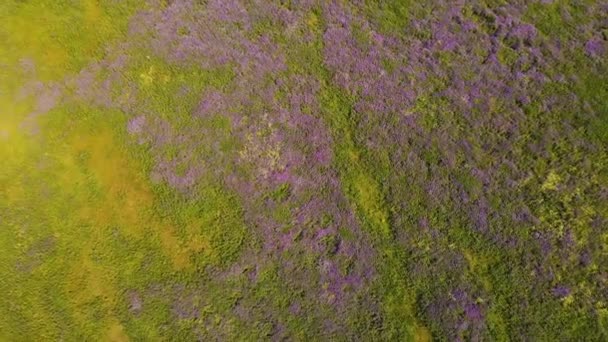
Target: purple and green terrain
(312, 170)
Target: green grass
(82, 224)
(61, 36)
(84, 229)
(106, 217)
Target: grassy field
(314, 170)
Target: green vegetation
(418, 171)
(84, 232)
(121, 233)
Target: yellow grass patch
(116, 333)
(422, 334)
(126, 200)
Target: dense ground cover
(304, 170)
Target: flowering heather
(304, 170)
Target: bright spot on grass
(553, 179)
